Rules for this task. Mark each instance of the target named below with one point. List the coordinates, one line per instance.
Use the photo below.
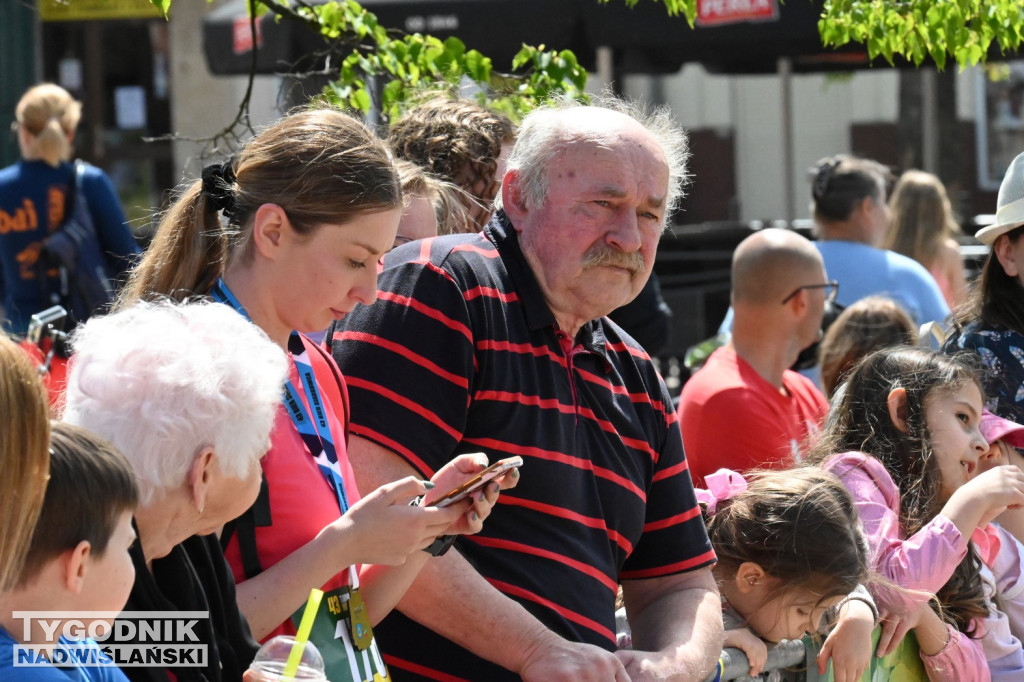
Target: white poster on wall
(130, 107)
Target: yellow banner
(80, 10)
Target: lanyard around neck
(314, 429)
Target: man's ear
(798, 303)
(749, 576)
(1003, 250)
(512, 197)
(200, 475)
(897, 401)
(76, 565)
(270, 228)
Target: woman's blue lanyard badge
(316, 431)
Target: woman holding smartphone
(289, 235)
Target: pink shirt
(922, 562)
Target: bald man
(745, 408)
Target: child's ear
(75, 561)
(897, 401)
(749, 576)
(200, 476)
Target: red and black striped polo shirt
(460, 353)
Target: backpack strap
(329, 380)
(258, 515)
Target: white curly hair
(163, 380)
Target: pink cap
(994, 427)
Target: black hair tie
(218, 181)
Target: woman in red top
(290, 234)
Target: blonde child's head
(866, 325)
(47, 116)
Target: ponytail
(187, 255)
(24, 456)
(320, 165)
(51, 144)
(49, 114)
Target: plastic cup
(268, 666)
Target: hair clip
(822, 176)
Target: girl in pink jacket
(906, 425)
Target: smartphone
(474, 484)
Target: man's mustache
(602, 255)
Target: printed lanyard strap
(315, 432)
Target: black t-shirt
(195, 577)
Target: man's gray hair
(546, 131)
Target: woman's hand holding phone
(468, 477)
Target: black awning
(730, 36)
(497, 28)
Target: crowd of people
(332, 329)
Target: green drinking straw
(302, 635)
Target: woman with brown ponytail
(289, 234)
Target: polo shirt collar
(538, 315)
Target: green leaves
(390, 70)
(917, 29)
(163, 5)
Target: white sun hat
(1009, 204)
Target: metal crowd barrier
(787, 662)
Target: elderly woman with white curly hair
(168, 385)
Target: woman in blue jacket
(35, 196)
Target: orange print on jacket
(24, 219)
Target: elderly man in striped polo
(498, 341)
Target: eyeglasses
(831, 291)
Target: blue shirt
(863, 271)
(86, 649)
(33, 201)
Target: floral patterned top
(1002, 352)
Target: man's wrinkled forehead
(637, 162)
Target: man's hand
(555, 659)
